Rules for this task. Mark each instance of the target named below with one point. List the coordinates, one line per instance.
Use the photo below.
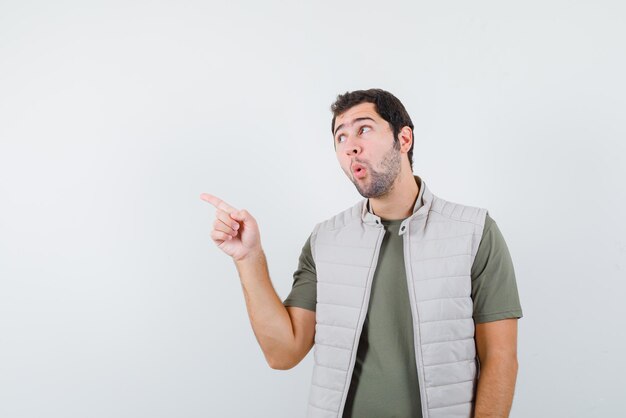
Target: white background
(115, 116)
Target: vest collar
(420, 209)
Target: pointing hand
(234, 231)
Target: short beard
(382, 182)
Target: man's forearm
(269, 318)
(496, 386)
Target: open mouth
(358, 170)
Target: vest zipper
(359, 329)
(416, 327)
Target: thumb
(241, 216)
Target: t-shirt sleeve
(304, 290)
(494, 288)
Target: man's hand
(234, 231)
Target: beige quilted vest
(440, 241)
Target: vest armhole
(480, 225)
(313, 241)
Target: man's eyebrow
(351, 123)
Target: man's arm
(496, 343)
(285, 334)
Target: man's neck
(400, 201)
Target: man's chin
(365, 193)
(369, 193)
(359, 189)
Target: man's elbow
(511, 362)
(281, 363)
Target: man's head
(371, 130)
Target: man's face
(366, 151)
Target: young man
(410, 300)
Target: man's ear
(405, 136)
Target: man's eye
(339, 138)
(365, 127)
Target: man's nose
(352, 147)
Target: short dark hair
(386, 105)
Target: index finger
(217, 202)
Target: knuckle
(217, 236)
